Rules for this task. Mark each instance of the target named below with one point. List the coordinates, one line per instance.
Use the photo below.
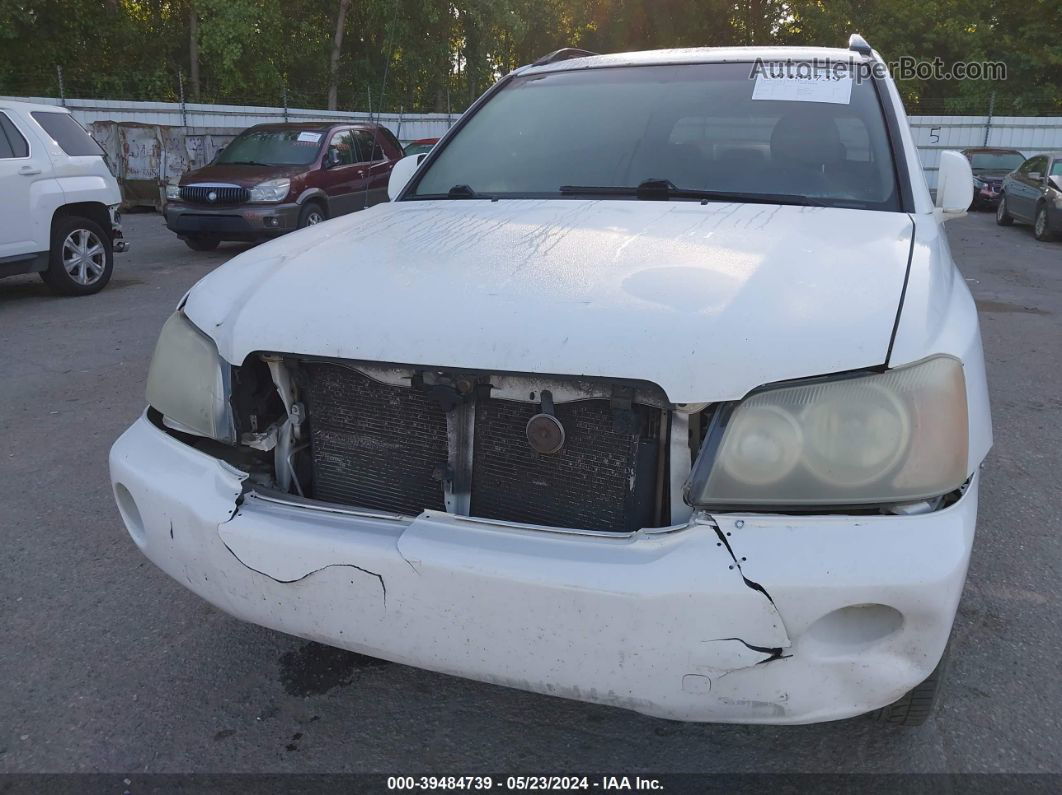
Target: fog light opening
(853, 628)
(130, 513)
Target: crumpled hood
(707, 301)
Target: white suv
(656, 386)
(61, 201)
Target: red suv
(273, 178)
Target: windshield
(273, 148)
(1056, 169)
(694, 126)
(416, 148)
(996, 161)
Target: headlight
(899, 436)
(173, 192)
(272, 190)
(189, 383)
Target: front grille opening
(604, 478)
(374, 445)
(384, 446)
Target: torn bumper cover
(748, 619)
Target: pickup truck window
(695, 126)
(65, 131)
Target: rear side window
(369, 150)
(390, 136)
(65, 131)
(12, 144)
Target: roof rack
(563, 54)
(858, 44)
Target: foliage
(440, 54)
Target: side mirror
(402, 173)
(1035, 176)
(331, 159)
(954, 185)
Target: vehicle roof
(699, 55)
(314, 125)
(29, 107)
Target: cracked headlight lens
(893, 437)
(188, 383)
(272, 190)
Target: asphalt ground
(106, 664)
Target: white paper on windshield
(832, 88)
(309, 137)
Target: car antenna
(383, 89)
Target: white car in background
(60, 201)
(654, 386)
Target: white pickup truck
(60, 201)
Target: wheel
(202, 242)
(917, 705)
(310, 214)
(1040, 228)
(1003, 217)
(81, 257)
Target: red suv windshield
(273, 148)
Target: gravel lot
(106, 664)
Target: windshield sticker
(309, 137)
(822, 87)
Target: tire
(1003, 216)
(916, 706)
(202, 242)
(81, 257)
(1041, 229)
(311, 214)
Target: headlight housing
(173, 192)
(893, 437)
(272, 190)
(189, 383)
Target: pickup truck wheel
(201, 242)
(81, 257)
(311, 213)
(1040, 228)
(1003, 216)
(915, 708)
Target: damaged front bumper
(746, 619)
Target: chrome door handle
(28, 171)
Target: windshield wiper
(465, 192)
(244, 163)
(664, 189)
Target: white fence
(1028, 134)
(406, 126)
